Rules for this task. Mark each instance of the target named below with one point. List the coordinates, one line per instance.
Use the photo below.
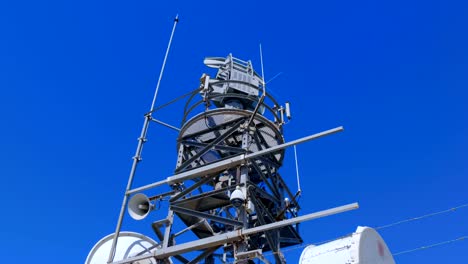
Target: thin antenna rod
(297, 172)
(176, 20)
(261, 64)
(260, 101)
(139, 149)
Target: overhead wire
(431, 246)
(450, 210)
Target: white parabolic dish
(365, 246)
(129, 244)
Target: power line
(451, 210)
(431, 246)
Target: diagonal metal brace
(203, 255)
(215, 218)
(190, 189)
(210, 146)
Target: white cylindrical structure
(129, 244)
(365, 246)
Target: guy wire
(174, 100)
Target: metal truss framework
(222, 151)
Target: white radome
(129, 244)
(365, 246)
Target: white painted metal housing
(365, 246)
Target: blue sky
(76, 78)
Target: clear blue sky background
(76, 78)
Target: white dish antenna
(130, 244)
(362, 247)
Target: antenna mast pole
(176, 20)
(297, 172)
(260, 101)
(141, 140)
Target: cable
(431, 246)
(421, 217)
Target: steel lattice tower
(226, 189)
(234, 123)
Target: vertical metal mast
(141, 141)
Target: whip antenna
(176, 20)
(299, 191)
(260, 101)
(141, 141)
(261, 64)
